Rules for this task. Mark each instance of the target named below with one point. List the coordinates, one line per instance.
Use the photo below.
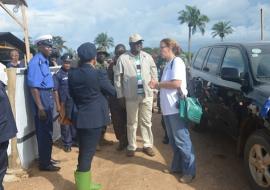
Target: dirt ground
(218, 167)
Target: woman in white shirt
(173, 78)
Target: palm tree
(194, 19)
(58, 44)
(222, 29)
(103, 40)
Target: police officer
(40, 82)
(88, 87)
(8, 128)
(64, 103)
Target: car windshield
(260, 60)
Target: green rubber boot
(83, 181)
(94, 186)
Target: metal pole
(262, 24)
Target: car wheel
(257, 160)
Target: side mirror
(230, 74)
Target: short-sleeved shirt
(174, 70)
(39, 74)
(19, 65)
(61, 84)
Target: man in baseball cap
(135, 92)
(134, 38)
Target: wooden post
(14, 161)
(26, 33)
(11, 14)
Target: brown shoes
(149, 151)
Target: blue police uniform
(40, 77)
(8, 130)
(87, 87)
(68, 133)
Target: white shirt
(3, 74)
(169, 97)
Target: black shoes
(67, 149)
(122, 146)
(50, 168)
(165, 140)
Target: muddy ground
(218, 167)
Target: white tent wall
(26, 138)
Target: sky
(81, 21)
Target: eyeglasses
(162, 47)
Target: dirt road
(218, 167)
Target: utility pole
(262, 25)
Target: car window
(200, 58)
(260, 56)
(234, 59)
(214, 60)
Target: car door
(210, 71)
(196, 83)
(230, 93)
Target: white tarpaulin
(26, 138)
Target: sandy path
(218, 167)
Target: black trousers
(119, 120)
(88, 140)
(3, 162)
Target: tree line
(191, 16)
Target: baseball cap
(135, 38)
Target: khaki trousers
(139, 113)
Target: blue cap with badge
(87, 51)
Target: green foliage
(59, 44)
(193, 18)
(103, 40)
(222, 29)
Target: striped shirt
(140, 89)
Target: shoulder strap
(180, 92)
(172, 62)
